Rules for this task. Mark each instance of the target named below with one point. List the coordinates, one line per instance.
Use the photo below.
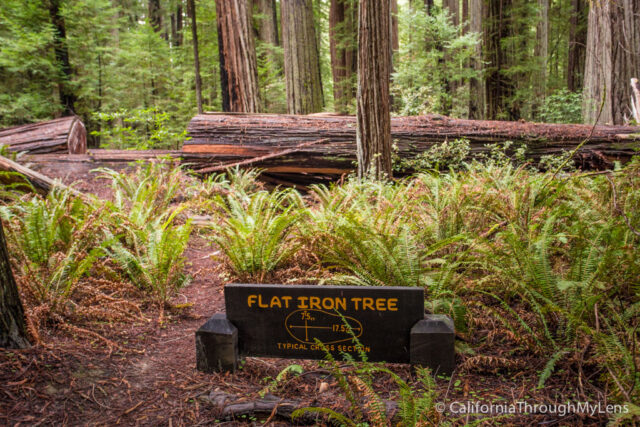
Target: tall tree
(613, 58)
(191, 11)
(373, 103)
(301, 60)
(542, 46)
(267, 25)
(67, 95)
(238, 65)
(477, 11)
(12, 328)
(577, 44)
(453, 6)
(343, 45)
(499, 86)
(155, 15)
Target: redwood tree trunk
(267, 25)
(342, 38)
(373, 117)
(498, 86)
(577, 45)
(238, 65)
(13, 333)
(67, 96)
(191, 11)
(301, 61)
(613, 58)
(477, 12)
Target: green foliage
(140, 129)
(432, 55)
(446, 155)
(55, 242)
(149, 244)
(562, 107)
(155, 260)
(416, 401)
(255, 233)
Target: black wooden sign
(286, 320)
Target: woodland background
(127, 67)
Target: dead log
(217, 139)
(230, 408)
(64, 135)
(16, 173)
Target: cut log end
(66, 135)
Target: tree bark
(67, 95)
(267, 25)
(577, 45)
(179, 18)
(613, 58)
(498, 86)
(191, 11)
(373, 117)
(542, 49)
(238, 65)
(343, 45)
(13, 333)
(301, 61)
(476, 85)
(453, 6)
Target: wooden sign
(288, 321)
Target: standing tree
(12, 329)
(238, 65)
(477, 12)
(373, 109)
(301, 61)
(267, 25)
(613, 58)
(67, 96)
(191, 11)
(343, 44)
(499, 86)
(577, 44)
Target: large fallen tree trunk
(12, 173)
(64, 135)
(220, 139)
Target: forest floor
(151, 379)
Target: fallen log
(218, 139)
(15, 173)
(66, 135)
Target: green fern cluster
(256, 233)
(54, 241)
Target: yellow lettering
(260, 304)
(380, 304)
(302, 302)
(314, 302)
(275, 301)
(367, 303)
(286, 301)
(327, 303)
(391, 304)
(355, 302)
(341, 304)
(251, 299)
